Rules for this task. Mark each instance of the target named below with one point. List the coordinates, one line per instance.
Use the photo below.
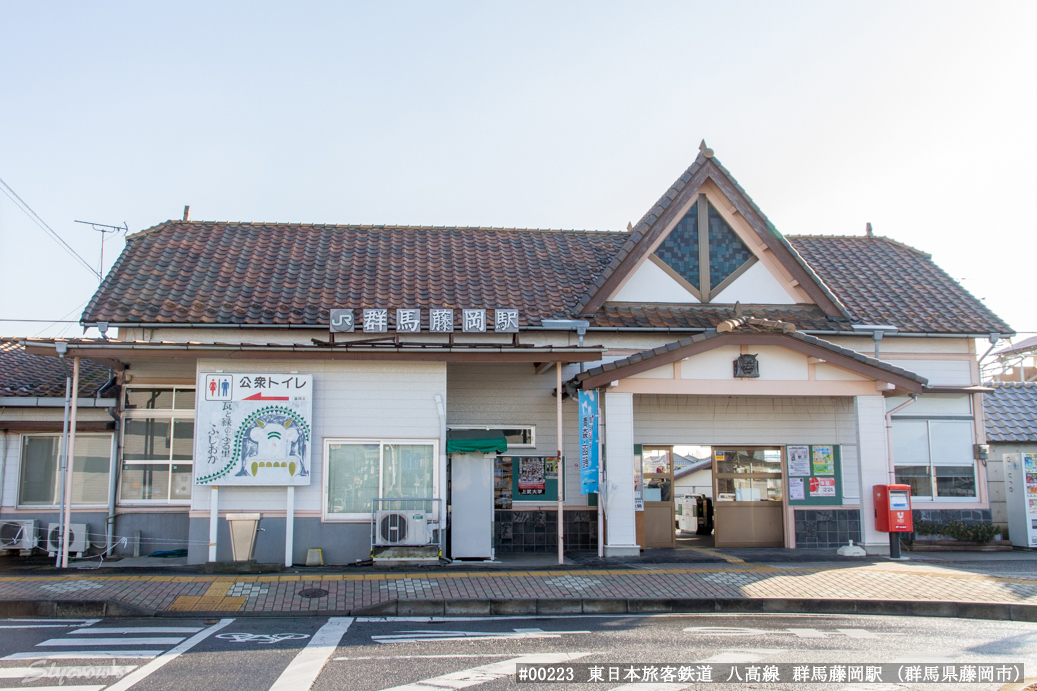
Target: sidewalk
(976, 578)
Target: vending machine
(1021, 498)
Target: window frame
(171, 415)
(935, 498)
(532, 433)
(57, 491)
(334, 517)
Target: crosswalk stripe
(68, 687)
(490, 672)
(137, 629)
(304, 668)
(83, 654)
(110, 641)
(167, 657)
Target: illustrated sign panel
(253, 429)
(588, 442)
(824, 461)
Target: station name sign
(434, 320)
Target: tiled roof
(1011, 412)
(22, 374)
(805, 317)
(881, 281)
(1023, 346)
(193, 272)
(712, 333)
(257, 273)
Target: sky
(917, 117)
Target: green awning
(476, 441)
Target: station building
(303, 372)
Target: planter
(942, 543)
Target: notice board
(533, 478)
(813, 475)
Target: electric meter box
(893, 509)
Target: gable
(709, 255)
(732, 204)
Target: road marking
(34, 673)
(84, 654)
(139, 629)
(46, 623)
(268, 638)
(806, 633)
(302, 671)
(746, 655)
(725, 631)
(422, 657)
(110, 641)
(798, 632)
(858, 633)
(485, 673)
(425, 635)
(92, 687)
(167, 657)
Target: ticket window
(748, 497)
(659, 516)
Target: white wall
(755, 287)
(511, 394)
(874, 467)
(650, 283)
(352, 399)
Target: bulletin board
(814, 472)
(527, 475)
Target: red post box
(893, 509)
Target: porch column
(619, 473)
(873, 466)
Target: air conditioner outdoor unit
(76, 539)
(401, 527)
(20, 535)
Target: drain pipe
(113, 465)
(62, 348)
(3, 469)
(889, 436)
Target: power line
(27, 210)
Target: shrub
(963, 532)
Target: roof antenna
(706, 151)
(867, 230)
(187, 213)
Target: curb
(93, 609)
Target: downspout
(889, 436)
(113, 466)
(3, 469)
(62, 348)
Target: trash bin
(242, 534)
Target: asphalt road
(422, 654)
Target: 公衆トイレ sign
(253, 429)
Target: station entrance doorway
(748, 493)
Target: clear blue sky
(915, 116)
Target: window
(357, 471)
(41, 463)
(934, 457)
(518, 436)
(705, 264)
(157, 445)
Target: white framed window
(518, 436)
(39, 482)
(934, 457)
(157, 464)
(359, 470)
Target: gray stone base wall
(827, 528)
(969, 516)
(342, 543)
(537, 530)
(158, 531)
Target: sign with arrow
(253, 429)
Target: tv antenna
(104, 229)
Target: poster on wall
(588, 402)
(639, 488)
(799, 460)
(253, 429)
(796, 492)
(822, 486)
(824, 460)
(532, 475)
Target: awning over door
(476, 441)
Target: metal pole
(70, 461)
(289, 526)
(214, 520)
(560, 467)
(894, 545)
(63, 460)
